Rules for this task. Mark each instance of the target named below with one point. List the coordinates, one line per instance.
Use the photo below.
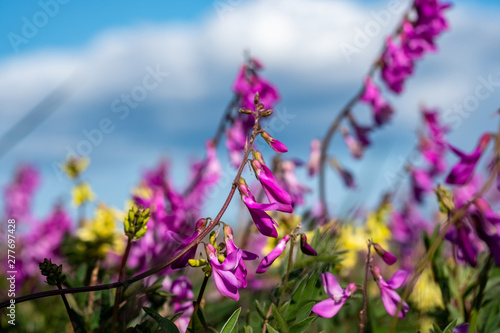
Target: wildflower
(289, 182)
(355, 147)
(264, 223)
(182, 301)
(184, 241)
(487, 226)
(248, 82)
(386, 256)
(305, 247)
(463, 171)
(241, 270)
(278, 146)
(224, 273)
(271, 257)
(273, 191)
(75, 166)
(82, 194)
(426, 294)
(338, 296)
(235, 141)
(345, 175)
(421, 182)
(466, 244)
(382, 111)
(19, 193)
(396, 66)
(314, 158)
(390, 298)
(361, 132)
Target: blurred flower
(75, 166)
(386, 256)
(338, 296)
(463, 171)
(382, 111)
(82, 193)
(289, 182)
(422, 183)
(305, 247)
(18, 195)
(426, 295)
(235, 142)
(184, 241)
(390, 298)
(354, 146)
(397, 66)
(314, 158)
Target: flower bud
(273, 255)
(351, 289)
(375, 272)
(197, 262)
(201, 224)
(445, 199)
(213, 239)
(278, 146)
(256, 98)
(52, 272)
(246, 111)
(305, 247)
(266, 113)
(257, 155)
(228, 232)
(386, 256)
(135, 222)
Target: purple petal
(278, 146)
(331, 286)
(268, 260)
(252, 204)
(226, 283)
(328, 308)
(264, 223)
(232, 260)
(398, 279)
(391, 299)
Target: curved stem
(164, 265)
(344, 113)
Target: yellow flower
(426, 294)
(75, 166)
(376, 228)
(82, 193)
(102, 230)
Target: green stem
(119, 289)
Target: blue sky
(101, 50)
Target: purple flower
(463, 171)
(248, 83)
(314, 157)
(386, 256)
(273, 191)
(361, 132)
(396, 66)
(305, 247)
(466, 243)
(241, 270)
(464, 328)
(235, 141)
(390, 298)
(183, 261)
(382, 112)
(264, 223)
(268, 260)
(278, 146)
(338, 296)
(182, 301)
(224, 273)
(421, 182)
(354, 146)
(487, 226)
(18, 195)
(289, 182)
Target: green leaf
(449, 328)
(260, 309)
(176, 316)
(473, 321)
(280, 321)
(248, 329)
(166, 325)
(231, 322)
(436, 328)
(199, 323)
(302, 326)
(304, 311)
(270, 329)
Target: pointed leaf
(270, 329)
(231, 322)
(302, 326)
(166, 325)
(281, 324)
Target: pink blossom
(338, 296)
(390, 298)
(268, 260)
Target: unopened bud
(305, 247)
(245, 111)
(256, 98)
(386, 256)
(445, 199)
(213, 239)
(266, 113)
(197, 262)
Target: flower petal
(328, 308)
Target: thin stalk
(156, 269)
(268, 314)
(118, 293)
(200, 296)
(68, 309)
(288, 266)
(363, 313)
(345, 112)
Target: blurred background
(155, 78)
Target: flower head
(224, 273)
(390, 298)
(268, 260)
(338, 296)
